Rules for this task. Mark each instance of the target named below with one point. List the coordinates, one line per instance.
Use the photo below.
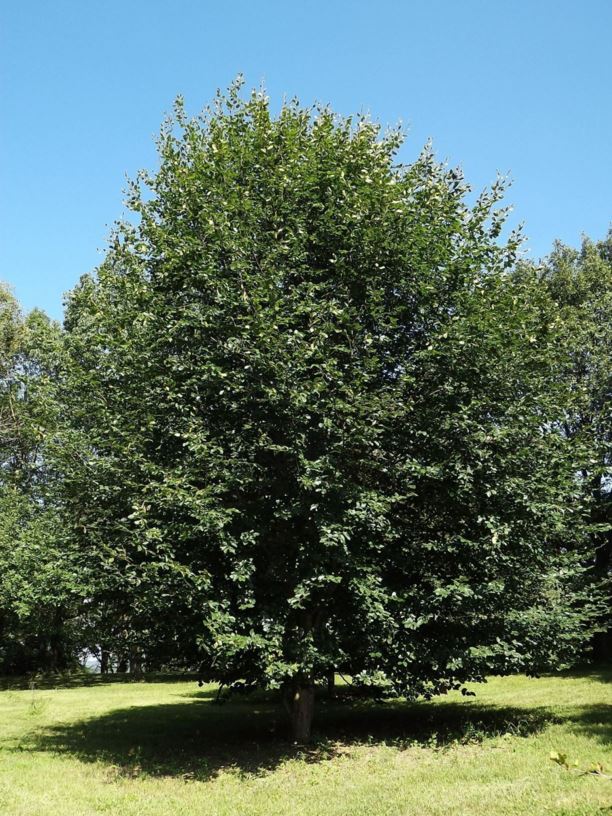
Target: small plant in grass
(37, 704)
(595, 769)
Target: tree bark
(301, 712)
(331, 685)
(602, 641)
(135, 664)
(600, 513)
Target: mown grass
(165, 749)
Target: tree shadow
(79, 679)
(600, 672)
(198, 739)
(594, 721)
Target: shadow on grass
(197, 739)
(602, 673)
(78, 679)
(594, 721)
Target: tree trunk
(331, 685)
(302, 711)
(136, 664)
(602, 641)
(58, 653)
(104, 660)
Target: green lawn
(165, 748)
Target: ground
(165, 748)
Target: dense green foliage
(580, 284)
(314, 424)
(38, 576)
(310, 415)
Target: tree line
(313, 413)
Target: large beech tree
(312, 418)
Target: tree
(580, 284)
(311, 415)
(38, 574)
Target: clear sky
(519, 86)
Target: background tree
(312, 421)
(580, 283)
(38, 571)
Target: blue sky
(523, 87)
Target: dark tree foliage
(38, 573)
(313, 423)
(580, 283)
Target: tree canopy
(40, 580)
(314, 423)
(580, 284)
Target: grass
(165, 749)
